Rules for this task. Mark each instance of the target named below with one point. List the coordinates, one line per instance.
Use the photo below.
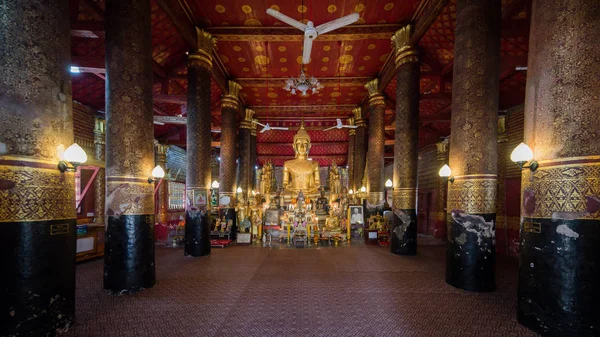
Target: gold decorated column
(471, 248)
(439, 215)
(559, 269)
(198, 147)
(360, 151)
(376, 146)
(129, 250)
(245, 147)
(406, 141)
(252, 184)
(163, 190)
(37, 201)
(230, 105)
(351, 148)
(100, 182)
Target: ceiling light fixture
(303, 84)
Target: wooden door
(423, 213)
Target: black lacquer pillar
(406, 141)
(376, 147)
(360, 148)
(559, 260)
(37, 201)
(198, 143)
(129, 250)
(230, 106)
(471, 218)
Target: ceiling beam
(87, 29)
(182, 143)
(264, 111)
(424, 20)
(432, 10)
(322, 156)
(286, 33)
(183, 22)
(173, 99)
(274, 144)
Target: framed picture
(355, 214)
(200, 198)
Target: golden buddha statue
(301, 174)
(332, 224)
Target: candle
(348, 229)
(289, 233)
(259, 230)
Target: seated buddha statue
(332, 223)
(301, 174)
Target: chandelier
(303, 84)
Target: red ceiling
(343, 62)
(253, 13)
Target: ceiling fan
(340, 125)
(310, 31)
(267, 127)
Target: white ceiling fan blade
(216, 131)
(158, 123)
(350, 126)
(264, 129)
(307, 49)
(338, 122)
(279, 128)
(338, 23)
(170, 120)
(256, 122)
(282, 17)
(331, 128)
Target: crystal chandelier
(303, 84)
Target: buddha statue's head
(301, 142)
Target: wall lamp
(363, 189)
(350, 192)
(215, 184)
(388, 183)
(446, 172)
(73, 157)
(523, 154)
(157, 173)
(239, 190)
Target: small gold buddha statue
(301, 174)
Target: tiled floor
(329, 291)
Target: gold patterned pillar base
(375, 200)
